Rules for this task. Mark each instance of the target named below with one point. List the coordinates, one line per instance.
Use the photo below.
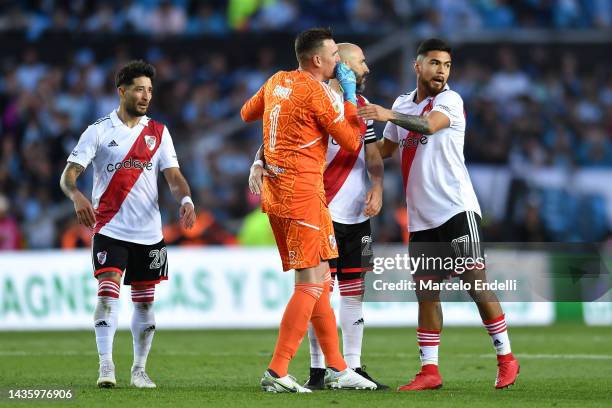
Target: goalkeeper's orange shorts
(304, 243)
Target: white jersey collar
(144, 120)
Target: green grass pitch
(562, 365)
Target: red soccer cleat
(427, 379)
(507, 371)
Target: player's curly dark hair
(433, 44)
(309, 41)
(134, 69)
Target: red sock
(294, 325)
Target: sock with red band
(143, 324)
(498, 331)
(429, 341)
(106, 317)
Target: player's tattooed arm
(425, 125)
(419, 124)
(69, 177)
(82, 207)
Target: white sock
(143, 329)
(429, 341)
(105, 326)
(317, 359)
(351, 322)
(498, 331)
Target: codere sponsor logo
(129, 164)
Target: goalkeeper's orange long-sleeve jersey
(299, 114)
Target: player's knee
(115, 276)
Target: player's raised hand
(187, 215)
(348, 82)
(84, 210)
(375, 112)
(373, 201)
(256, 176)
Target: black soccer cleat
(362, 372)
(316, 379)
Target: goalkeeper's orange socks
(294, 325)
(324, 323)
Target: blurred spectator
(10, 237)
(167, 19)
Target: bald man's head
(352, 55)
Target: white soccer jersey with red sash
(346, 178)
(126, 162)
(436, 180)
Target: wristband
(186, 200)
(258, 163)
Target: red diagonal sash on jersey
(410, 151)
(123, 180)
(340, 167)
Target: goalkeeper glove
(348, 82)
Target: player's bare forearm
(69, 177)
(177, 183)
(375, 165)
(259, 155)
(82, 207)
(419, 124)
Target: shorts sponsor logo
(151, 141)
(101, 257)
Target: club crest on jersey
(101, 257)
(150, 141)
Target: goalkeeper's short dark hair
(307, 42)
(134, 69)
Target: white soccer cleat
(140, 379)
(269, 383)
(107, 375)
(347, 380)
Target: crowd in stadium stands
(537, 111)
(192, 17)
